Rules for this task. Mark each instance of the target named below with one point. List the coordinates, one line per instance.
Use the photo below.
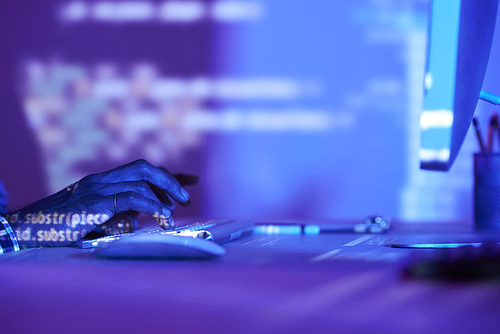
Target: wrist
(8, 239)
(23, 232)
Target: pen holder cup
(487, 190)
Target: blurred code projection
(285, 109)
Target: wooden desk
(335, 283)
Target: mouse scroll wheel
(205, 235)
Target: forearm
(34, 228)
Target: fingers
(138, 196)
(183, 179)
(137, 202)
(167, 223)
(141, 170)
(130, 200)
(161, 194)
(141, 187)
(118, 224)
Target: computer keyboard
(217, 231)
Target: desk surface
(334, 283)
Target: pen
(357, 228)
(277, 229)
(312, 229)
(372, 224)
(493, 126)
(478, 133)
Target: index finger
(183, 179)
(143, 170)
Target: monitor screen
(459, 43)
(284, 109)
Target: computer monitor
(460, 36)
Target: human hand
(125, 222)
(65, 217)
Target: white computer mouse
(159, 246)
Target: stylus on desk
(372, 224)
(278, 229)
